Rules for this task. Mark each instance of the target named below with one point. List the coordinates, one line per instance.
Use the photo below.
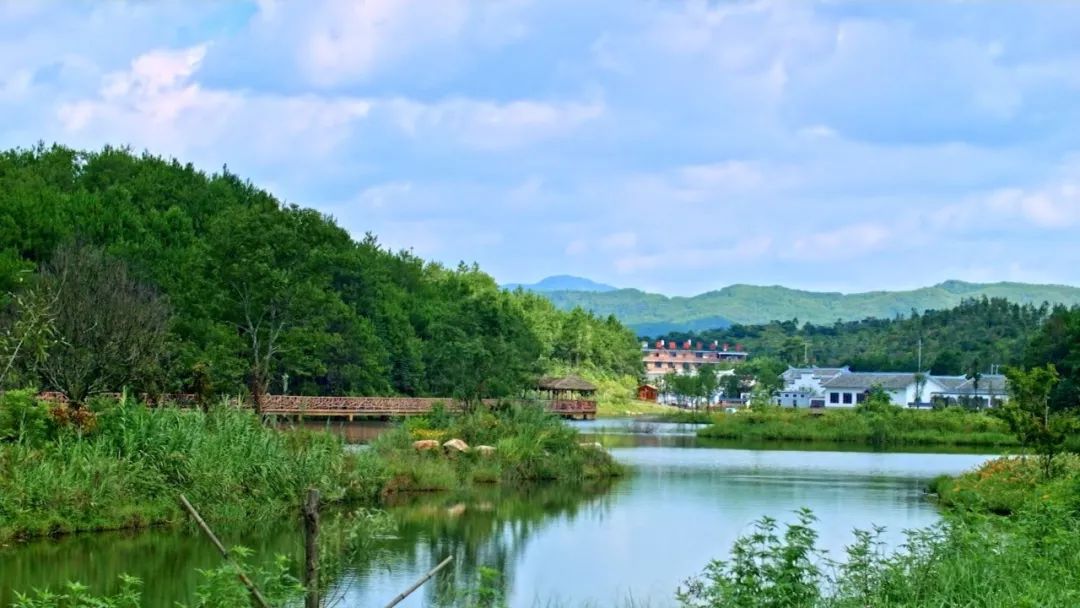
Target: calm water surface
(685, 504)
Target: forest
(131, 271)
(976, 334)
(967, 339)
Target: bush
(1024, 562)
(530, 444)
(1011, 484)
(130, 470)
(23, 419)
(874, 426)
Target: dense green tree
(1029, 414)
(1058, 342)
(980, 331)
(947, 363)
(260, 289)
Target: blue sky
(675, 147)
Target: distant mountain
(652, 314)
(563, 282)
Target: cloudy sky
(675, 147)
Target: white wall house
(988, 389)
(840, 387)
(803, 386)
(851, 388)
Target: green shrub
(130, 471)
(877, 427)
(530, 444)
(24, 419)
(766, 570)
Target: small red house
(647, 392)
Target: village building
(840, 387)
(663, 357)
(802, 386)
(648, 392)
(986, 390)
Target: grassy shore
(881, 427)
(122, 465)
(1011, 485)
(634, 408)
(529, 444)
(976, 557)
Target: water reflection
(166, 560)
(594, 544)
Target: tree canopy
(974, 335)
(258, 288)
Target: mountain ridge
(652, 314)
(562, 282)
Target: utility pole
(920, 356)
(806, 353)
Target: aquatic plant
(873, 427)
(128, 471)
(530, 444)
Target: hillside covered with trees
(651, 314)
(122, 270)
(974, 335)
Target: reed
(127, 465)
(530, 445)
(878, 427)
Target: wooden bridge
(570, 397)
(376, 407)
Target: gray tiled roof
(817, 372)
(899, 380)
(949, 383)
(867, 380)
(987, 384)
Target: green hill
(653, 314)
(257, 294)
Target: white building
(903, 388)
(988, 389)
(840, 387)
(803, 385)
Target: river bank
(878, 428)
(121, 465)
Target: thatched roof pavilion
(567, 387)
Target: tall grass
(127, 467)
(879, 427)
(530, 444)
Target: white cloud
(576, 247)
(157, 103)
(385, 196)
(839, 243)
(1055, 206)
(1050, 206)
(493, 125)
(618, 241)
(349, 39)
(335, 43)
(678, 256)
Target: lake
(684, 504)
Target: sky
(675, 147)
